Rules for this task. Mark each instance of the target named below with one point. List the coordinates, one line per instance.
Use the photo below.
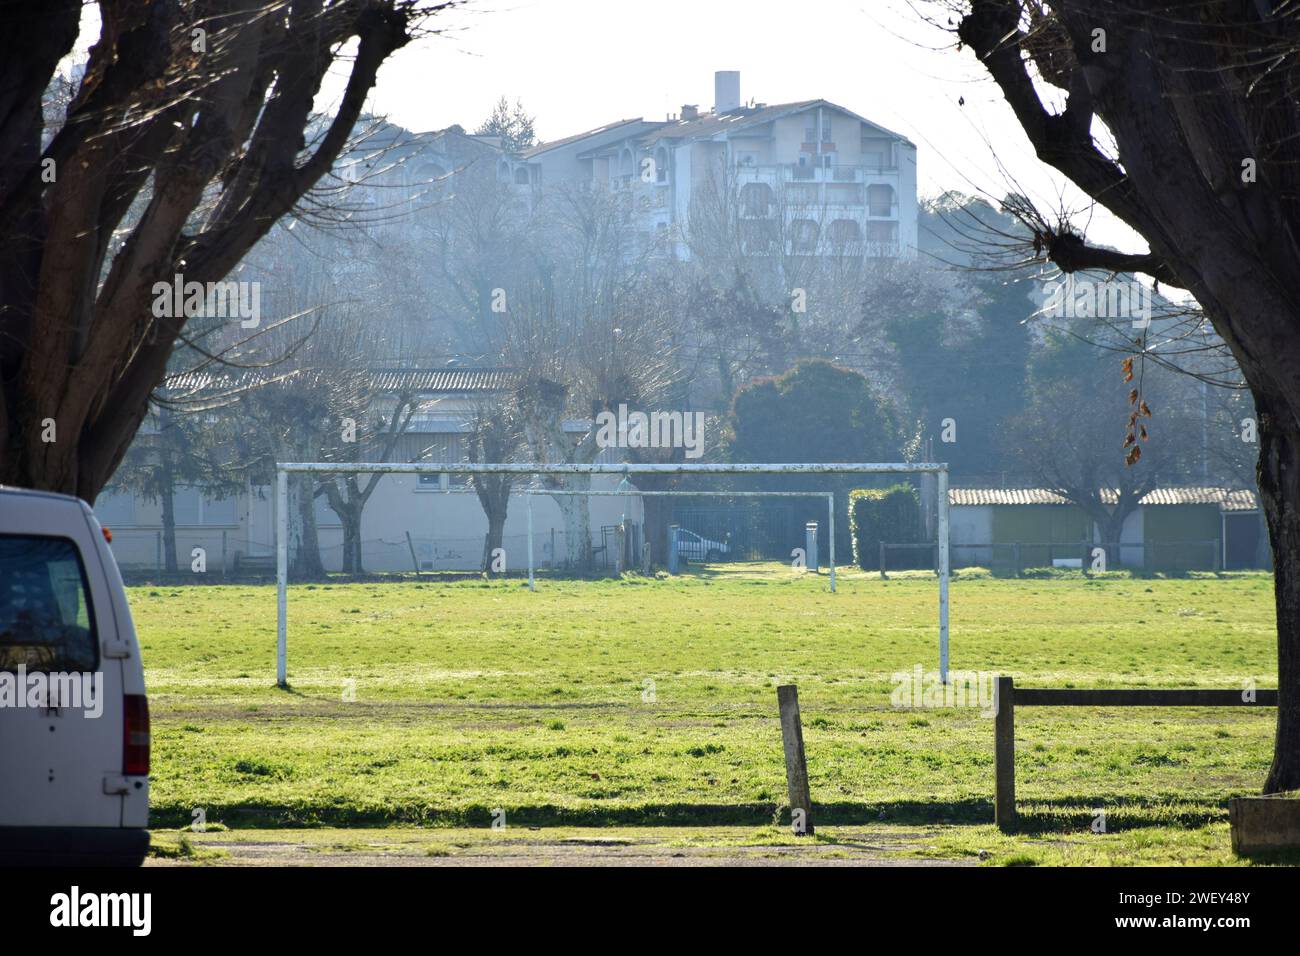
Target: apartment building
(803, 178)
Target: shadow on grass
(1065, 815)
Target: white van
(74, 720)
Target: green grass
(633, 703)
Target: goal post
(532, 493)
(284, 469)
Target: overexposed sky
(578, 64)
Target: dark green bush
(892, 515)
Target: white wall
(970, 524)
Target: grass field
(642, 703)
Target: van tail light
(135, 735)
(108, 534)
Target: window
(876, 152)
(115, 509)
(826, 129)
(443, 448)
(521, 176)
(191, 508)
(756, 200)
(47, 622)
(883, 237)
(880, 200)
(844, 232)
(805, 235)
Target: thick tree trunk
(1111, 533)
(577, 531)
(1279, 489)
(495, 534)
(351, 521)
(307, 565)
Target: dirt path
(715, 846)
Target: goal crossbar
(284, 469)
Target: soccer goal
(674, 544)
(284, 469)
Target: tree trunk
(350, 518)
(1279, 491)
(168, 495)
(1112, 531)
(577, 531)
(307, 565)
(495, 533)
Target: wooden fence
(1008, 697)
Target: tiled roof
(446, 380)
(1238, 499)
(710, 123)
(557, 143)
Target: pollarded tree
(196, 110)
(1182, 119)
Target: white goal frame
(531, 493)
(284, 469)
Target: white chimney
(726, 91)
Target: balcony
(793, 172)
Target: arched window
(521, 175)
(804, 233)
(880, 200)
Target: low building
(1172, 529)
(433, 521)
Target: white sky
(578, 64)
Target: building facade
(807, 178)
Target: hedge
(890, 514)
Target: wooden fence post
(415, 562)
(796, 768)
(883, 575)
(1004, 753)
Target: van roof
(33, 492)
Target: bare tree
(1183, 124)
(495, 435)
(200, 110)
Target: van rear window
(46, 619)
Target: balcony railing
(793, 172)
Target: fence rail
(1007, 697)
(1016, 556)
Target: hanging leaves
(1136, 432)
